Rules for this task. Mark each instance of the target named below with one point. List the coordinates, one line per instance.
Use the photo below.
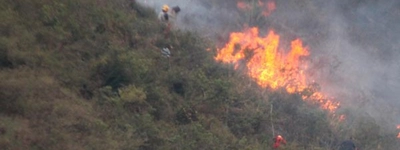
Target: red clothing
(278, 140)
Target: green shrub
(88, 74)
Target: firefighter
(163, 15)
(164, 18)
(278, 140)
(348, 145)
(167, 17)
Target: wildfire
(269, 66)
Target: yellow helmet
(165, 8)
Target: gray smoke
(355, 45)
(363, 53)
(207, 17)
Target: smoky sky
(354, 44)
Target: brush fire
(267, 63)
(270, 67)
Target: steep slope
(88, 74)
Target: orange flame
(398, 135)
(269, 66)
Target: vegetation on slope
(88, 74)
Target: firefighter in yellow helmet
(167, 17)
(164, 16)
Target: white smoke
(201, 16)
(363, 38)
(354, 44)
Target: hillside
(88, 74)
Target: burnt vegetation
(88, 74)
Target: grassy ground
(88, 74)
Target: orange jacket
(278, 140)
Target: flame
(269, 66)
(398, 135)
(266, 8)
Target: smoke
(363, 39)
(204, 16)
(355, 49)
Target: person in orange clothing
(278, 140)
